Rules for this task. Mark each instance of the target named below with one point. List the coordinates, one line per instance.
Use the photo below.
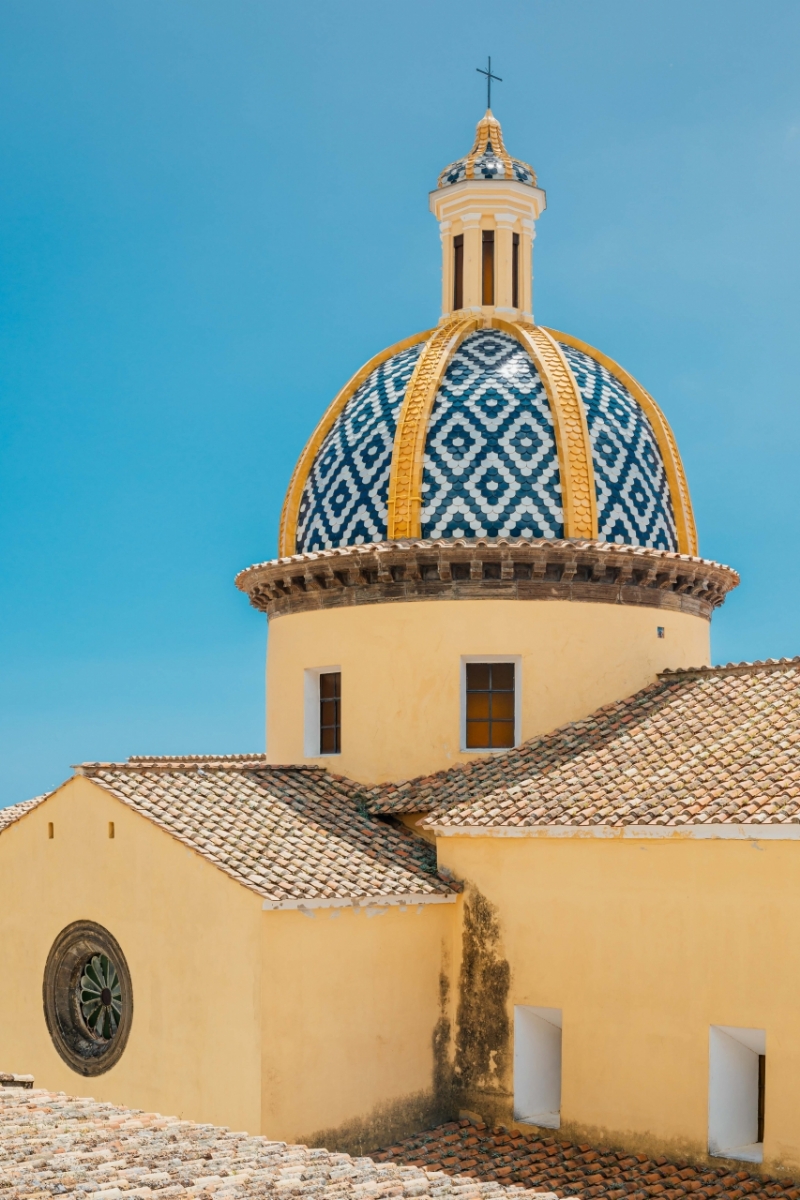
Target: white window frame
(516, 659)
(733, 1092)
(537, 1066)
(311, 714)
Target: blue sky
(212, 213)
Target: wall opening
(323, 711)
(458, 271)
(488, 267)
(736, 1092)
(515, 270)
(537, 1066)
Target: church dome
(530, 433)
(489, 425)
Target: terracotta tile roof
(295, 835)
(537, 1161)
(713, 745)
(14, 811)
(51, 1144)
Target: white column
(503, 259)
(473, 258)
(446, 235)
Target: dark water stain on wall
(398, 1119)
(386, 1124)
(442, 1033)
(482, 1042)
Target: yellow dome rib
(287, 534)
(569, 419)
(578, 495)
(408, 457)
(676, 476)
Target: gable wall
(356, 1006)
(191, 937)
(643, 944)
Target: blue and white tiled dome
(491, 464)
(344, 499)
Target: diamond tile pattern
(491, 464)
(284, 832)
(344, 500)
(713, 746)
(634, 506)
(52, 1144)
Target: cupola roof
(488, 158)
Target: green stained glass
(101, 997)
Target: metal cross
(489, 78)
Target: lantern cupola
(487, 204)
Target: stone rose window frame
(90, 1038)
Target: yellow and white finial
(487, 204)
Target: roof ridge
(196, 757)
(731, 668)
(144, 762)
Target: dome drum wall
(588, 622)
(402, 670)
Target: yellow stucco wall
(269, 1021)
(350, 1013)
(185, 930)
(644, 944)
(401, 665)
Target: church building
(515, 849)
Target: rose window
(101, 997)
(88, 997)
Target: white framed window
(737, 1058)
(323, 711)
(491, 702)
(537, 1066)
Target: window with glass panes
(330, 712)
(490, 706)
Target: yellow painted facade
(643, 943)
(350, 1025)
(279, 1023)
(401, 672)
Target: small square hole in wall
(736, 1092)
(537, 1066)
